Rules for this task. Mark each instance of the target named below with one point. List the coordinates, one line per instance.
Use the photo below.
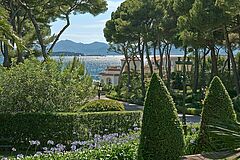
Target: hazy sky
(86, 28)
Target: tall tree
(43, 12)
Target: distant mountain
(95, 48)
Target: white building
(111, 75)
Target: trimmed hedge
(217, 111)
(139, 102)
(191, 111)
(102, 106)
(17, 129)
(162, 134)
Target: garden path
(135, 107)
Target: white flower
(14, 149)
(105, 130)
(50, 142)
(20, 156)
(45, 148)
(193, 130)
(73, 147)
(192, 141)
(37, 142)
(37, 154)
(135, 125)
(4, 158)
(60, 147)
(32, 142)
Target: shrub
(162, 134)
(102, 105)
(44, 87)
(63, 128)
(217, 110)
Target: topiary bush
(217, 111)
(162, 134)
(102, 106)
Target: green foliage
(63, 128)
(102, 105)
(162, 134)
(190, 111)
(217, 110)
(44, 87)
(191, 139)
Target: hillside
(95, 48)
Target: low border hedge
(19, 128)
(102, 105)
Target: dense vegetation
(48, 87)
(140, 28)
(102, 105)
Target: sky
(86, 28)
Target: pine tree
(162, 134)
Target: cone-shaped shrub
(162, 134)
(217, 111)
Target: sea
(94, 64)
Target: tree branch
(60, 33)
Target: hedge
(17, 129)
(102, 105)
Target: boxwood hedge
(102, 105)
(17, 129)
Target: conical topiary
(217, 111)
(162, 134)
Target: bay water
(94, 64)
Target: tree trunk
(234, 66)
(128, 70)
(141, 53)
(155, 58)
(6, 58)
(196, 71)
(37, 30)
(214, 70)
(169, 66)
(204, 79)
(148, 59)
(19, 31)
(120, 75)
(161, 53)
(135, 65)
(184, 90)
